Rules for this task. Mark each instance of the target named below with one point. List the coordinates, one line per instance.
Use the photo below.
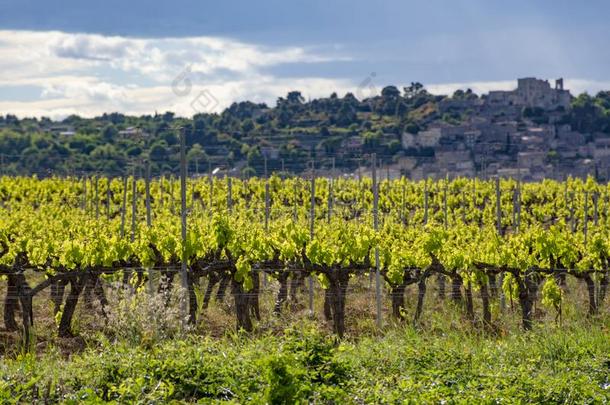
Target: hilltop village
(538, 130)
(523, 132)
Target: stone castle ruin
(532, 92)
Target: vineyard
(478, 243)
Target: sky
(62, 57)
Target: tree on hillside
(414, 90)
(390, 92)
(346, 115)
(196, 156)
(295, 97)
(110, 133)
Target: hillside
(534, 131)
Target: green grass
(550, 365)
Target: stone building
(532, 92)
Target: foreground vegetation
(492, 291)
(498, 243)
(548, 365)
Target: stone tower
(559, 84)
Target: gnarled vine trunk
(225, 279)
(493, 285)
(421, 294)
(125, 280)
(242, 306)
(528, 286)
(328, 311)
(485, 303)
(282, 294)
(398, 301)
(296, 284)
(591, 293)
(337, 290)
(191, 280)
(603, 289)
(11, 304)
(99, 292)
(88, 292)
(253, 296)
(397, 293)
(20, 294)
(27, 313)
(441, 286)
(57, 294)
(212, 281)
(469, 303)
(77, 284)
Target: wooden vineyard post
(463, 206)
(498, 207)
(151, 287)
(134, 208)
(519, 204)
(147, 191)
(183, 267)
(295, 213)
(172, 207)
(474, 193)
(595, 210)
(161, 190)
(229, 194)
(440, 277)
(193, 192)
(108, 202)
(515, 209)
(605, 215)
(85, 193)
(566, 195)
(376, 227)
(211, 186)
(330, 198)
(312, 214)
(124, 206)
(267, 212)
(572, 218)
(425, 201)
(97, 198)
(379, 179)
(500, 233)
(403, 214)
(586, 216)
(445, 216)
(330, 191)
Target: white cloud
(86, 73)
(161, 58)
(88, 98)
(89, 74)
